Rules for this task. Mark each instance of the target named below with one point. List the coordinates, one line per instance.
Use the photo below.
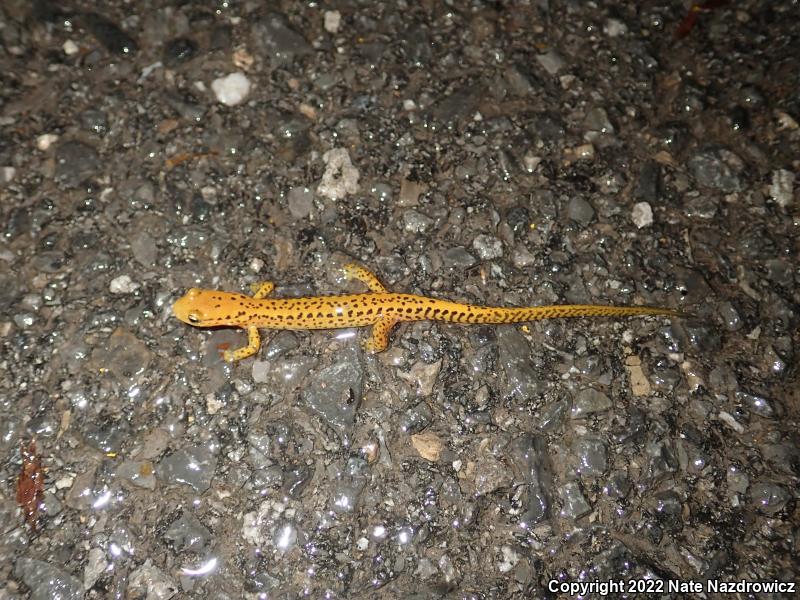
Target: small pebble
(340, 177)
(522, 257)
(597, 120)
(458, 258)
(488, 247)
(44, 141)
(95, 566)
(123, 285)
(144, 249)
(428, 445)
(614, 28)
(301, 201)
(640, 386)
(551, 61)
(729, 420)
(256, 264)
(416, 222)
(242, 59)
(231, 89)
(580, 211)
(573, 502)
(530, 161)
(716, 168)
(642, 214)
(510, 559)
(333, 19)
(70, 48)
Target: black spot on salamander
(419, 310)
(310, 316)
(329, 315)
(359, 313)
(369, 311)
(288, 317)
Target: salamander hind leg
(379, 338)
(353, 271)
(262, 289)
(253, 344)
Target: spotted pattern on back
(379, 308)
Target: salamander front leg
(353, 271)
(253, 344)
(379, 338)
(262, 289)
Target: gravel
(501, 154)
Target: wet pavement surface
(495, 153)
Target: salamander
(378, 308)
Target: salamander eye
(193, 318)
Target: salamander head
(206, 308)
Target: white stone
(256, 264)
(123, 285)
(340, 177)
(614, 28)
(70, 48)
(213, 404)
(333, 19)
(231, 89)
(44, 141)
(510, 559)
(530, 161)
(251, 528)
(642, 214)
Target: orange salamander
(378, 307)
